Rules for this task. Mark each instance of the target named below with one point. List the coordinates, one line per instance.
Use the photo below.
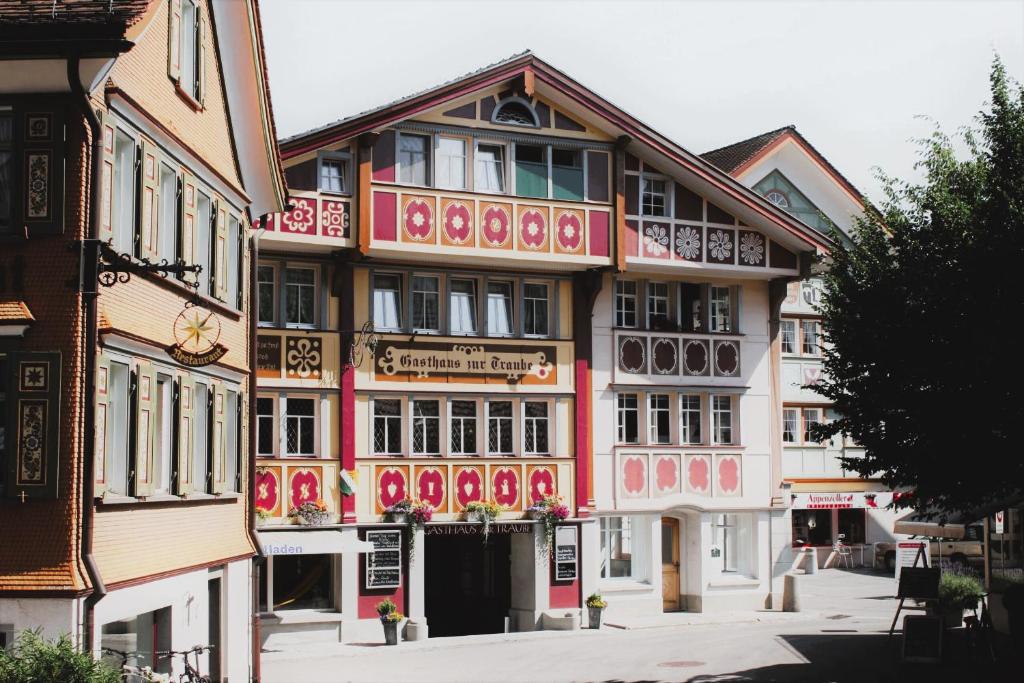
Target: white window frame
(805, 425)
(345, 159)
(620, 417)
(652, 418)
(115, 470)
(124, 235)
(501, 165)
(274, 424)
(625, 531)
(456, 426)
(398, 307)
(201, 437)
(717, 426)
(546, 421)
(428, 171)
(274, 294)
(793, 417)
(285, 286)
(551, 288)
(164, 452)
(315, 418)
(446, 184)
(511, 420)
(665, 194)
(452, 279)
(686, 413)
(660, 301)
(189, 83)
(420, 422)
(167, 235)
(720, 321)
(511, 307)
(815, 344)
(204, 236)
(439, 293)
(620, 298)
(387, 425)
(788, 337)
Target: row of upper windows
(676, 306)
(205, 232)
(290, 294)
(800, 337)
(493, 306)
(675, 419)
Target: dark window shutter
(239, 440)
(42, 168)
(33, 425)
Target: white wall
(56, 616)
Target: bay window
(628, 418)
(426, 427)
(625, 303)
(300, 426)
(387, 302)
(658, 419)
(387, 426)
(535, 427)
(462, 306)
(499, 308)
(426, 302)
(451, 163)
(463, 427)
(414, 158)
(499, 428)
(490, 168)
(689, 412)
(721, 419)
(535, 309)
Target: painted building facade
(450, 259)
(827, 504)
(133, 133)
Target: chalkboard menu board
(919, 583)
(566, 555)
(922, 639)
(384, 566)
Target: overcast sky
(852, 76)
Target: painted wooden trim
(364, 200)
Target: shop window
(628, 421)
(140, 638)
(201, 439)
(654, 198)
(490, 168)
(387, 426)
(301, 582)
(535, 427)
(164, 437)
(116, 463)
(334, 174)
(812, 416)
(462, 306)
(387, 302)
(125, 183)
(809, 330)
(689, 414)
(567, 174)
(721, 418)
(851, 526)
(531, 171)
(426, 427)
(499, 308)
(265, 290)
(414, 158)
(721, 309)
(659, 419)
(657, 306)
(616, 547)
(265, 442)
(790, 425)
(300, 297)
(169, 226)
(451, 163)
(625, 303)
(300, 426)
(499, 428)
(7, 169)
(535, 309)
(426, 302)
(463, 427)
(787, 331)
(812, 527)
(731, 537)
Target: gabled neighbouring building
(136, 142)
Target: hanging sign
(196, 338)
(840, 501)
(566, 553)
(1000, 522)
(477, 362)
(384, 565)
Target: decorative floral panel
(496, 226)
(812, 374)
(689, 242)
(569, 231)
(727, 475)
(303, 357)
(533, 228)
(541, 479)
(753, 249)
(505, 486)
(727, 358)
(664, 356)
(268, 489)
(698, 474)
(302, 218)
(633, 476)
(633, 355)
(696, 357)
(467, 486)
(721, 246)
(457, 222)
(304, 485)
(666, 474)
(418, 219)
(392, 485)
(335, 218)
(431, 486)
(655, 242)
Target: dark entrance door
(468, 584)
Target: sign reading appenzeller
(453, 362)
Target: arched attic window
(515, 111)
(778, 198)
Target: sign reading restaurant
(475, 362)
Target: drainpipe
(91, 336)
(254, 250)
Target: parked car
(963, 552)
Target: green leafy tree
(33, 659)
(923, 311)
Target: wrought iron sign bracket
(102, 264)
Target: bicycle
(191, 674)
(131, 673)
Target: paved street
(839, 636)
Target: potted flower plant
(262, 516)
(485, 512)
(390, 617)
(311, 513)
(595, 606)
(399, 512)
(552, 510)
(957, 592)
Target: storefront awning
(840, 501)
(310, 542)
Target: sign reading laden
(470, 363)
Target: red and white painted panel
(649, 475)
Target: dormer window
(515, 111)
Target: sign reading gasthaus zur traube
(384, 566)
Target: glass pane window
(451, 163)
(657, 304)
(535, 427)
(812, 416)
(300, 426)
(387, 302)
(725, 537)
(658, 419)
(200, 438)
(6, 168)
(333, 174)
(721, 309)
(302, 582)
(721, 417)
(490, 168)
(413, 158)
(234, 263)
(116, 462)
(851, 526)
(787, 332)
(813, 527)
(535, 309)
(426, 302)
(653, 201)
(628, 418)
(462, 307)
(426, 427)
(265, 426)
(531, 171)
(387, 426)
(204, 240)
(567, 174)
(809, 330)
(463, 427)
(499, 308)
(265, 292)
(625, 303)
(300, 296)
(616, 548)
(124, 195)
(689, 412)
(189, 48)
(168, 226)
(499, 427)
(790, 425)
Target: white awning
(311, 542)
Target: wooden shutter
(33, 424)
(148, 181)
(201, 56)
(42, 162)
(184, 402)
(102, 424)
(242, 267)
(145, 430)
(219, 441)
(107, 178)
(219, 235)
(174, 40)
(188, 223)
(240, 441)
